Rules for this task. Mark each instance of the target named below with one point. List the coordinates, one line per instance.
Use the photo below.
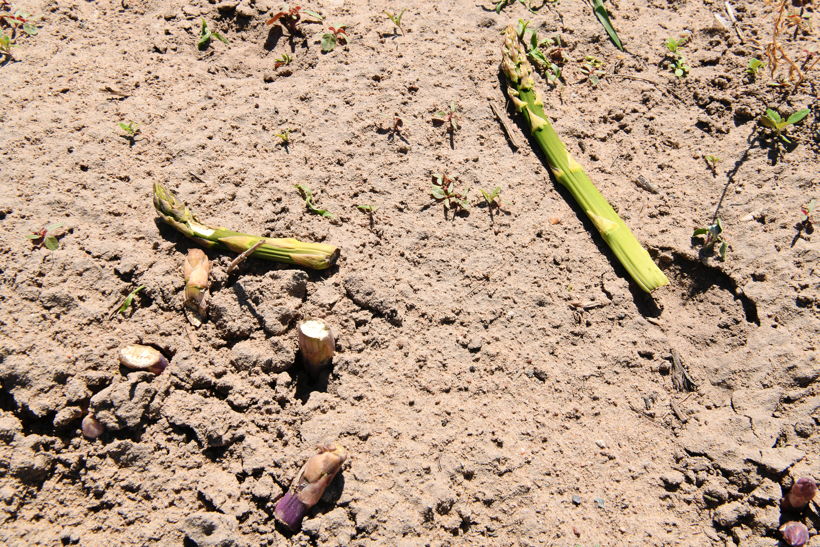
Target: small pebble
(576, 500)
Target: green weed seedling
(284, 60)
(205, 35)
(807, 212)
(127, 302)
(593, 69)
(443, 191)
(47, 237)
(772, 120)
(547, 55)
(396, 19)
(710, 237)
(289, 19)
(493, 198)
(711, 162)
(754, 66)
(330, 39)
(284, 137)
(6, 43)
(307, 195)
(675, 58)
(131, 132)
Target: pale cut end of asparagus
(196, 271)
(139, 357)
(316, 344)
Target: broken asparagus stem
(795, 534)
(196, 270)
(800, 494)
(567, 172)
(176, 214)
(316, 344)
(139, 357)
(309, 485)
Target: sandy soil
(498, 381)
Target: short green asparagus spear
(569, 173)
(174, 212)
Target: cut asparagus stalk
(195, 271)
(316, 343)
(175, 213)
(309, 485)
(569, 173)
(139, 357)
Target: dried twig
(680, 377)
(503, 123)
(244, 256)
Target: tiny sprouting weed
(284, 60)
(336, 35)
(369, 209)
(711, 162)
(443, 191)
(772, 120)
(284, 137)
(711, 236)
(392, 128)
(675, 59)
(807, 212)
(130, 128)
(307, 195)
(19, 20)
(449, 119)
(289, 19)
(47, 237)
(593, 69)
(6, 43)
(127, 302)
(205, 35)
(547, 55)
(396, 19)
(754, 66)
(492, 198)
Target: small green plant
(330, 39)
(772, 120)
(675, 59)
(47, 237)
(593, 69)
(127, 302)
(19, 20)
(289, 19)
(307, 195)
(449, 119)
(754, 66)
(492, 198)
(369, 209)
(807, 212)
(205, 35)
(129, 128)
(603, 17)
(443, 191)
(711, 162)
(284, 60)
(284, 137)
(547, 55)
(711, 236)
(396, 19)
(6, 43)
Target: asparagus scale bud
(526, 99)
(316, 344)
(309, 485)
(175, 213)
(795, 534)
(196, 270)
(139, 357)
(800, 494)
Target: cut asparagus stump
(318, 256)
(527, 100)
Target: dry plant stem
(318, 256)
(503, 123)
(569, 173)
(244, 256)
(309, 485)
(773, 49)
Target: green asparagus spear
(174, 212)
(569, 173)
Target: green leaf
(33, 236)
(522, 27)
(54, 226)
(722, 250)
(128, 301)
(51, 243)
(313, 14)
(797, 116)
(328, 42)
(773, 115)
(30, 29)
(603, 17)
(438, 192)
(700, 232)
(219, 37)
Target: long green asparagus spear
(569, 173)
(174, 212)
